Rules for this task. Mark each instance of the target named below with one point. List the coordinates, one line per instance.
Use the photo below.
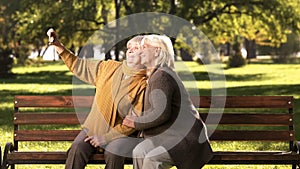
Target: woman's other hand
(95, 141)
(129, 121)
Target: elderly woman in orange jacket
(120, 89)
(173, 131)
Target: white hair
(136, 39)
(166, 55)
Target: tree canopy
(268, 22)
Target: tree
(71, 19)
(265, 22)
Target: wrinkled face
(133, 57)
(149, 55)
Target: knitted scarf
(112, 91)
(133, 82)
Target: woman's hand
(95, 141)
(53, 40)
(129, 121)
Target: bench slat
(218, 135)
(256, 135)
(48, 118)
(45, 158)
(203, 101)
(249, 119)
(236, 119)
(53, 101)
(45, 135)
(218, 158)
(243, 101)
(255, 158)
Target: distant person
(172, 128)
(120, 90)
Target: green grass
(253, 79)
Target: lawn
(257, 78)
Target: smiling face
(157, 51)
(149, 55)
(133, 53)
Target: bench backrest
(245, 118)
(49, 111)
(249, 118)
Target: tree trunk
(250, 48)
(117, 48)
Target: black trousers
(115, 152)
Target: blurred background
(248, 29)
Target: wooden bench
(246, 118)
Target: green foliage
(22, 53)
(259, 78)
(8, 26)
(285, 53)
(268, 22)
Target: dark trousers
(115, 152)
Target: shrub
(236, 60)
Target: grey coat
(170, 120)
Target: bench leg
(0, 156)
(296, 149)
(296, 166)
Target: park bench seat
(245, 118)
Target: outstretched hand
(53, 38)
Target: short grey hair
(136, 39)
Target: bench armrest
(8, 148)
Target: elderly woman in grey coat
(173, 132)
